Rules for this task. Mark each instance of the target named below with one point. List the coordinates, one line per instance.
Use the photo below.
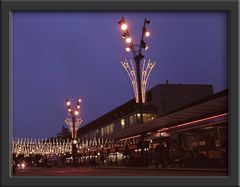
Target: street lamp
(138, 77)
(73, 123)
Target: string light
(69, 123)
(132, 75)
(145, 75)
(57, 147)
(146, 70)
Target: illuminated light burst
(132, 75)
(69, 123)
(145, 75)
(146, 70)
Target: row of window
(121, 124)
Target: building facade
(190, 119)
(161, 99)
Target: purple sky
(60, 55)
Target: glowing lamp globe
(76, 112)
(124, 26)
(128, 49)
(128, 40)
(147, 33)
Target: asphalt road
(88, 171)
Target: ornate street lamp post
(73, 123)
(137, 75)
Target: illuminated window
(148, 117)
(122, 123)
(102, 132)
(97, 132)
(105, 130)
(111, 128)
(108, 129)
(132, 120)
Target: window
(108, 129)
(122, 123)
(148, 117)
(132, 120)
(102, 132)
(97, 133)
(111, 128)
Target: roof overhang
(207, 109)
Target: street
(88, 171)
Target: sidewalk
(165, 169)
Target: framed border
(229, 6)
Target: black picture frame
(231, 7)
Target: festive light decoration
(73, 113)
(145, 75)
(58, 147)
(130, 69)
(69, 123)
(146, 70)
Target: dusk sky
(77, 55)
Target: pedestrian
(111, 162)
(102, 158)
(157, 155)
(160, 155)
(182, 155)
(164, 152)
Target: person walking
(102, 158)
(161, 152)
(164, 153)
(157, 153)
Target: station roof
(203, 108)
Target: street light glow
(147, 33)
(76, 112)
(68, 103)
(124, 26)
(23, 165)
(128, 40)
(69, 110)
(128, 49)
(79, 100)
